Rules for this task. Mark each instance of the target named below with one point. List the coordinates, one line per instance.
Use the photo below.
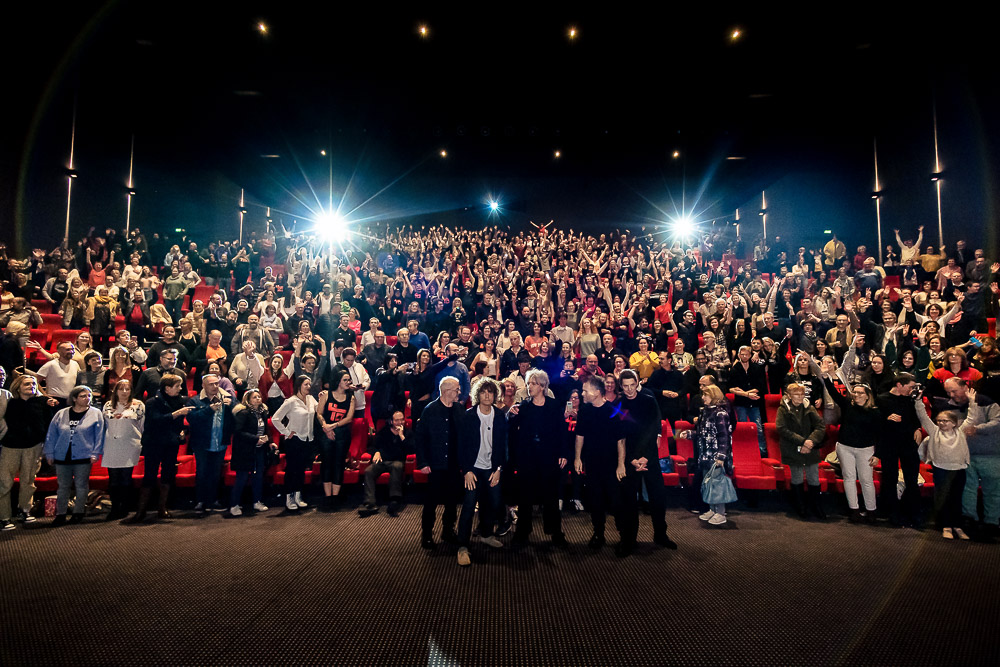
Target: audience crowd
(500, 371)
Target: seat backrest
(773, 441)
(685, 446)
(771, 402)
(746, 453)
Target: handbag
(716, 487)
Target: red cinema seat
(99, 475)
(138, 471)
(684, 449)
(749, 471)
(771, 402)
(391, 340)
(992, 326)
(359, 438)
(61, 336)
(51, 321)
(773, 459)
(186, 471)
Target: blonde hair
(714, 394)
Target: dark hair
(389, 357)
(170, 380)
(299, 380)
(595, 382)
(349, 351)
(904, 378)
(628, 374)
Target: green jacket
(795, 425)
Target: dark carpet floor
(329, 589)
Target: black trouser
(118, 477)
(153, 458)
(491, 510)
(948, 488)
(443, 488)
(628, 520)
(541, 488)
(895, 457)
(372, 473)
(298, 457)
(334, 453)
(603, 496)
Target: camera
(918, 392)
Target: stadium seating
(749, 471)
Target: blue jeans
(983, 471)
(70, 476)
(256, 478)
(174, 309)
(752, 414)
(208, 470)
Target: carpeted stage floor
(325, 589)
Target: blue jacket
(460, 373)
(200, 419)
(87, 439)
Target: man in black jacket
(641, 418)
(898, 450)
(482, 451)
(437, 457)
(149, 382)
(539, 452)
(388, 455)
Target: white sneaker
(7, 525)
(290, 501)
(707, 516)
(259, 507)
(717, 520)
(560, 504)
(298, 500)
(491, 542)
(960, 534)
(577, 505)
(236, 510)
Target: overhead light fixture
(262, 27)
(573, 32)
(676, 154)
(683, 226)
(322, 152)
(72, 173)
(423, 31)
(735, 34)
(937, 176)
(558, 154)
(331, 226)
(444, 153)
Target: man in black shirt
(600, 445)
(897, 450)
(748, 383)
(437, 457)
(388, 455)
(641, 419)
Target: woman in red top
(956, 364)
(119, 368)
(275, 384)
(533, 343)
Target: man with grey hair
(436, 444)
(540, 453)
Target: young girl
(947, 450)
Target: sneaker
(577, 505)
(960, 534)
(216, 507)
(707, 516)
(25, 517)
(290, 502)
(463, 557)
(8, 525)
(200, 508)
(717, 520)
(560, 504)
(298, 500)
(947, 534)
(491, 542)
(260, 507)
(236, 510)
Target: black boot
(815, 505)
(113, 512)
(164, 493)
(140, 512)
(795, 498)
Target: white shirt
(360, 378)
(301, 416)
(484, 461)
(59, 379)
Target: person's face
(796, 397)
(94, 363)
(842, 322)
(449, 392)
(398, 420)
(590, 394)
(744, 355)
(486, 399)
(630, 388)
(345, 380)
(83, 341)
(168, 360)
(906, 389)
(412, 327)
(610, 386)
(168, 333)
(172, 390)
(306, 385)
(27, 388)
(211, 386)
(619, 364)
(66, 352)
(403, 337)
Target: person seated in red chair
(388, 452)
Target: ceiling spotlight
(444, 153)
(72, 173)
(423, 31)
(683, 226)
(322, 152)
(735, 34)
(494, 205)
(876, 194)
(262, 27)
(558, 154)
(676, 154)
(331, 226)
(936, 176)
(572, 33)
(131, 192)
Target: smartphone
(975, 342)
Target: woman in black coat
(251, 444)
(161, 438)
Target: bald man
(437, 457)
